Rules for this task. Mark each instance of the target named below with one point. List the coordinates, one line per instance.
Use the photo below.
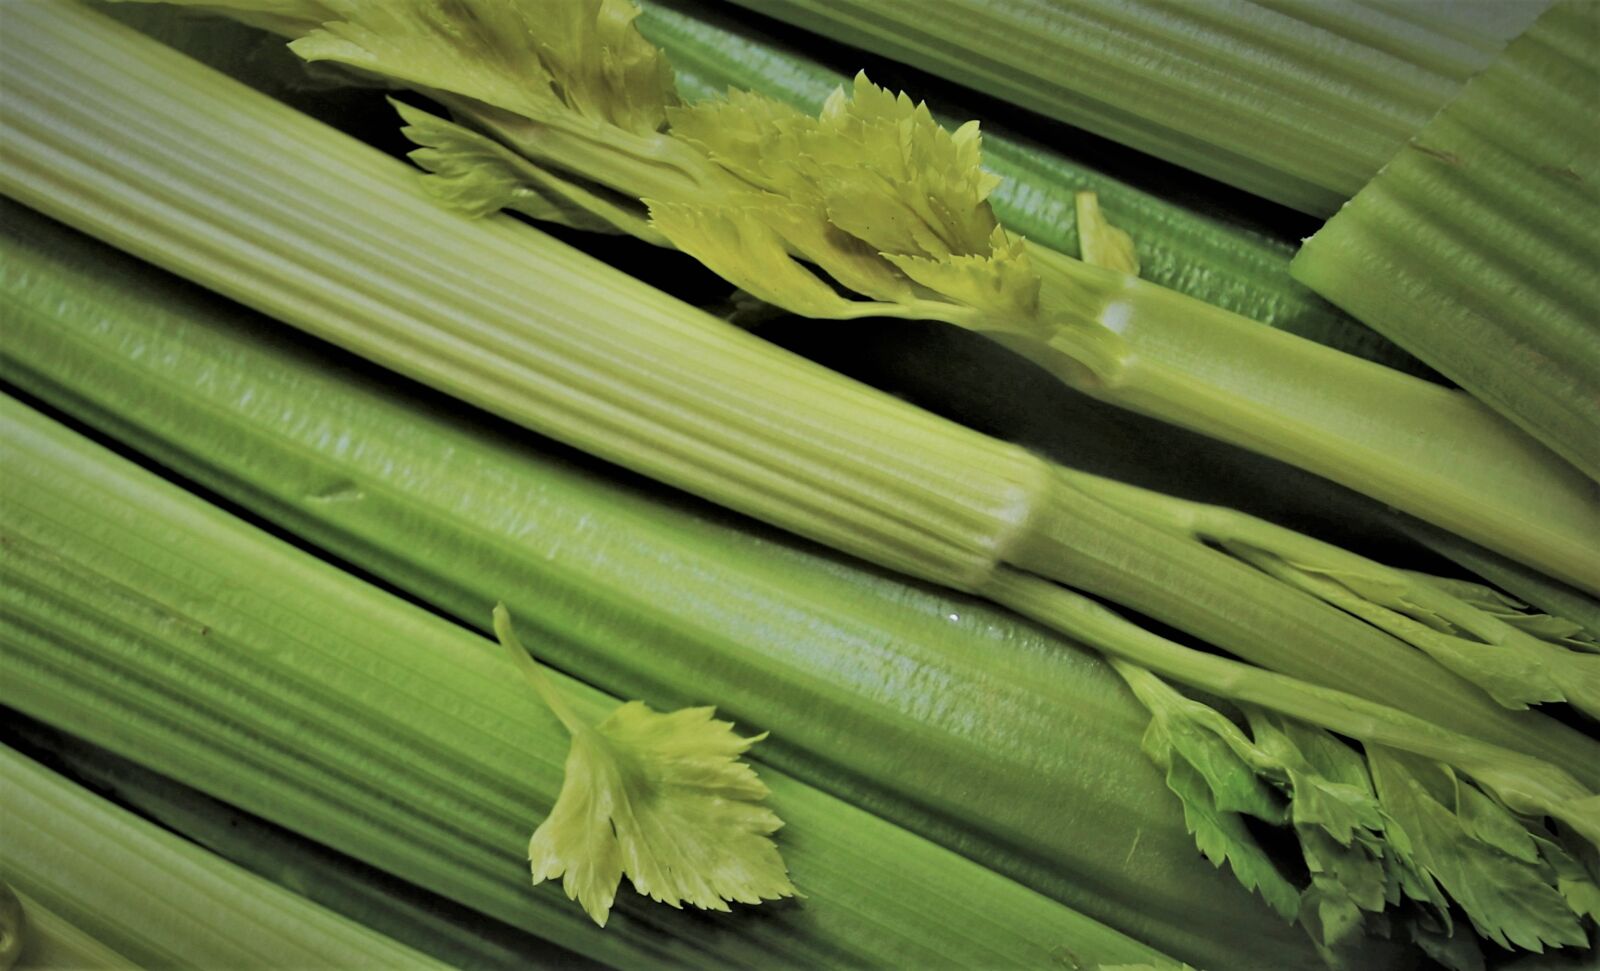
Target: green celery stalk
(159, 900)
(439, 928)
(52, 942)
(508, 319)
(1296, 101)
(1201, 255)
(644, 597)
(1475, 247)
(144, 620)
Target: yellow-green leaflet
(662, 798)
(1375, 827)
(1099, 242)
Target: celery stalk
(660, 604)
(51, 942)
(1298, 102)
(1475, 247)
(1436, 453)
(440, 928)
(159, 900)
(531, 330)
(143, 619)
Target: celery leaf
(553, 61)
(476, 175)
(1099, 242)
(662, 798)
(1475, 850)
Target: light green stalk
(427, 922)
(1475, 247)
(158, 900)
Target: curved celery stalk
(1475, 247)
(647, 602)
(1295, 101)
(158, 900)
(331, 236)
(147, 621)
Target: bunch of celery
(875, 197)
(142, 619)
(823, 458)
(143, 360)
(640, 598)
(1298, 102)
(630, 375)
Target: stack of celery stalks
(1129, 605)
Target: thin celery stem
(1429, 451)
(1537, 782)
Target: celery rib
(52, 942)
(443, 929)
(1475, 247)
(1431, 451)
(103, 554)
(1300, 106)
(162, 902)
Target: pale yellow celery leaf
(882, 198)
(554, 61)
(752, 136)
(756, 139)
(850, 261)
(898, 179)
(1001, 286)
(1449, 833)
(603, 67)
(476, 175)
(739, 244)
(1099, 242)
(660, 798)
